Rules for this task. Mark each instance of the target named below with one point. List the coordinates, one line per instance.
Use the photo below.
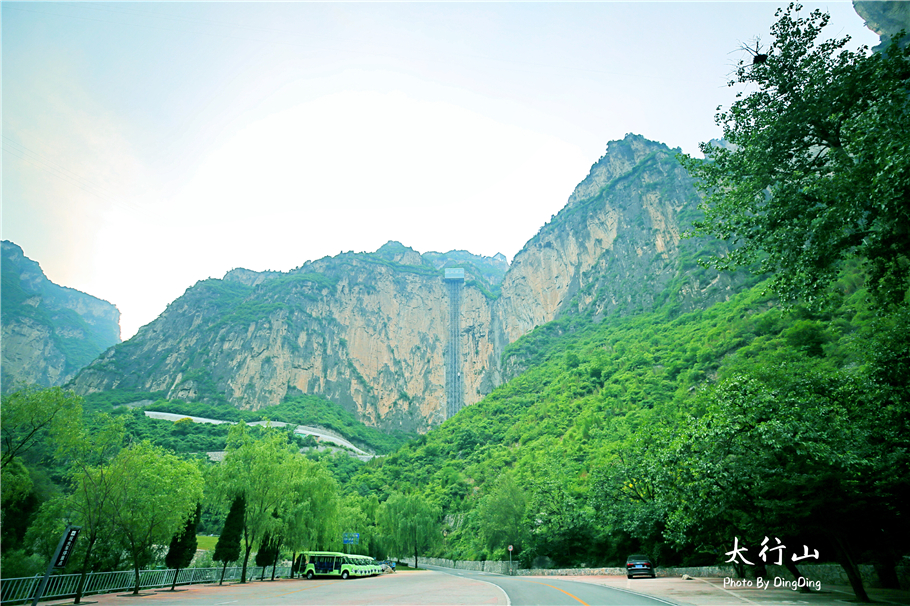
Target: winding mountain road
(320, 434)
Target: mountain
(404, 340)
(616, 247)
(885, 19)
(490, 269)
(365, 330)
(49, 332)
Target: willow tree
(162, 492)
(310, 519)
(255, 468)
(94, 481)
(409, 523)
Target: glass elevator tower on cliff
(454, 279)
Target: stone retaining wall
(828, 574)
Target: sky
(147, 145)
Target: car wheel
(310, 575)
(629, 575)
(344, 574)
(653, 575)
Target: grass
(205, 542)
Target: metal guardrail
(21, 590)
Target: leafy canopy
(817, 170)
(410, 523)
(161, 495)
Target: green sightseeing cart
(334, 564)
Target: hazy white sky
(150, 145)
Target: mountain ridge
(49, 332)
(371, 331)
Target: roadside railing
(60, 586)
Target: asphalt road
(444, 587)
(441, 587)
(405, 588)
(552, 591)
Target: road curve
(552, 591)
(316, 432)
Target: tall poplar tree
(183, 546)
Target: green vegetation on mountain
(586, 392)
(185, 436)
(678, 434)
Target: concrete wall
(828, 574)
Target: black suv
(639, 564)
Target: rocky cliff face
(367, 331)
(885, 19)
(49, 332)
(616, 247)
(370, 331)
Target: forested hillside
(549, 440)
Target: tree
(183, 546)
(501, 515)
(255, 468)
(630, 493)
(789, 451)
(409, 523)
(29, 417)
(560, 524)
(227, 549)
(817, 166)
(161, 494)
(93, 481)
(310, 519)
(267, 555)
(32, 414)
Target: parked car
(639, 564)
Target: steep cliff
(370, 331)
(367, 331)
(49, 332)
(616, 247)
